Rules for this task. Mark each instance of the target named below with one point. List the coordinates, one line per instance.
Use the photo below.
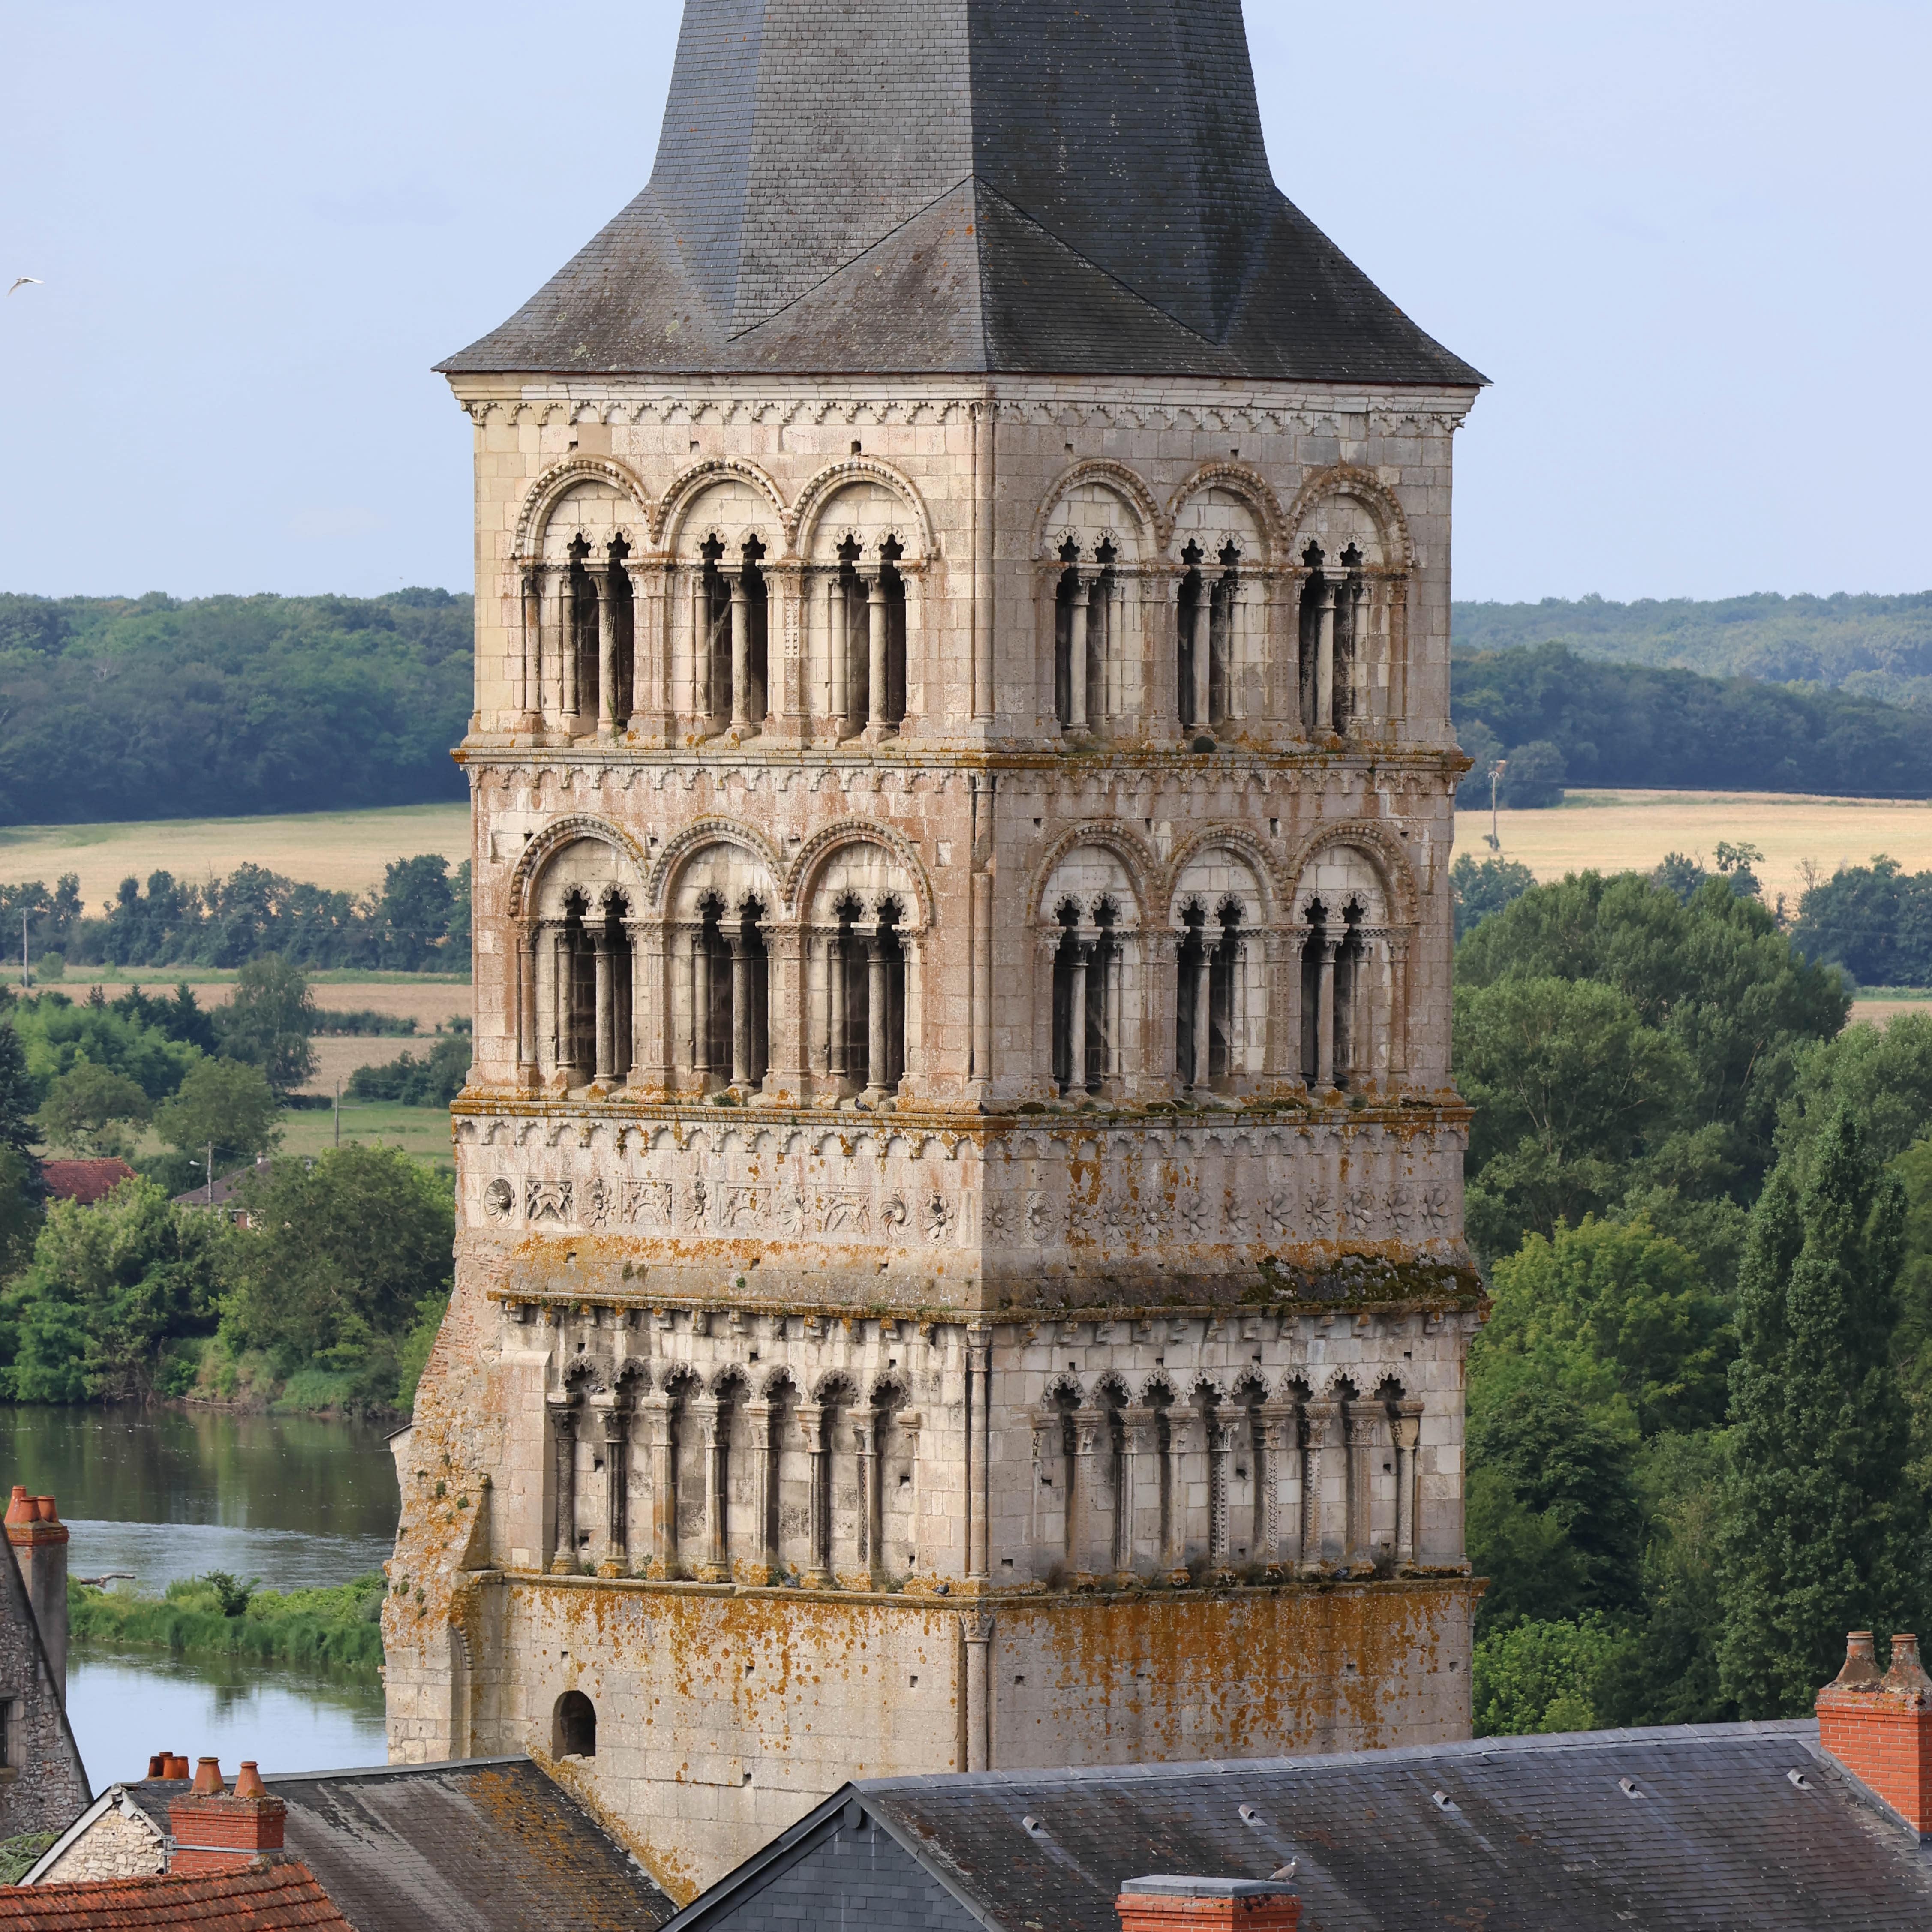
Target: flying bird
(22, 281)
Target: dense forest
(1700, 1416)
(1559, 718)
(119, 708)
(1871, 647)
(122, 708)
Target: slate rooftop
(1729, 1825)
(964, 186)
(482, 1845)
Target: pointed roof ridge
(1133, 226)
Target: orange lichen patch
(1246, 1673)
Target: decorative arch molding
(691, 484)
(1143, 869)
(795, 884)
(1276, 891)
(1114, 476)
(541, 500)
(1345, 479)
(1240, 480)
(694, 838)
(1367, 835)
(812, 500)
(553, 839)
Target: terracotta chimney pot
(1166, 1902)
(47, 1512)
(177, 1766)
(207, 1778)
(157, 1765)
(21, 1508)
(1880, 1729)
(248, 1781)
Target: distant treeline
(418, 921)
(1871, 647)
(150, 707)
(1558, 719)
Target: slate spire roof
(962, 186)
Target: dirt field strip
(1619, 831)
(345, 851)
(430, 1003)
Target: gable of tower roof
(969, 186)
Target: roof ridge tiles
(1532, 1743)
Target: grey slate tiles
(963, 186)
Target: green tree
(1620, 1317)
(1484, 887)
(413, 1356)
(1553, 1520)
(1715, 976)
(225, 1103)
(108, 1287)
(1569, 1086)
(269, 1022)
(1881, 1074)
(413, 914)
(1820, 1529)
(58, 1035)
(1542, 1676)
(1533, 775)
(339, 1256)
(89, 1110)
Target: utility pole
(1495, 772)
(26, 977)
(338, 1112)
(211, 1174)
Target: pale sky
(1688, 244)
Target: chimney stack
(39, 1538)
(1880, 1728)
(1164, 1902)
(220, 1831)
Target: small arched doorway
(573, 1727)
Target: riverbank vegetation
(336, 1629)
(1700, 1417)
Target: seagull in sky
(22, 281)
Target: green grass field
(421, 1132)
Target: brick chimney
(39, 1538)
(1164, 1902)
(1880, 1728)
(220, 1831)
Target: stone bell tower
(960, 1190)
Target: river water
(160, 1494)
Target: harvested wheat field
(1632, 831)
(345, 851)
(430, 1001)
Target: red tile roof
(86, 1181)
(280, 1896)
